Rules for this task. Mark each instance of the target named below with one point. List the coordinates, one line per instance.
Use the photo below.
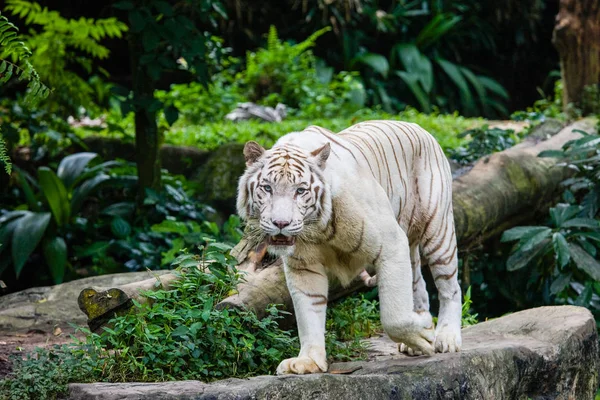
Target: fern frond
(4, 159)
(309, 42)
(91, 47)
(20, 67)
(272, 39)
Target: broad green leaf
(535, 239)
(493, 86)
(180, 331)
(585, 261)
(26, 236)
(587, 246)
(552, 153)
(458, 79)
(7, 226)
(581, 223)
(55, 253)
(27, 190)
(122, 209)
(93, 184)
(436, 28)
(560, 283)
(375, 61)
(171, 114)
(474, 80)
(562, 213)
(120, 228)
(137, 20)
(412, 81)
(93, 249)
(585, 296)
(56, 195)
(521, 231)
(590, 235)
(71, 167)
(520, 259)
(416, 64)
(168, 226)
(561, 248)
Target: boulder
(541, 353)
(218, 177)
(42, 308)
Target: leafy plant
(290, 74)
(179, 335)
(484, 141)
(59, 45)
(53, 202)
(563, 256)
(15, 49)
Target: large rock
(542, 353)
(42, 308)
(218, 177)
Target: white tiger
(378, 193)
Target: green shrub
(53, 202)
(483, 141)
(444, 127)
(61, 43)
(180, 335)
(562, 255)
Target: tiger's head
(282, 193)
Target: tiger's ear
(252, 152)
(321, 155)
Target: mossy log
(500, 190)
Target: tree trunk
(147, 139)
(576, 36)
(500, 191)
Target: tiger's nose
(281, 224)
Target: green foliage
(12, 47)
(59, 45)
(180, 335)
(288, 74)
(467, 317)
(4, 158)
(433, 80)
(563, 255)
(52, 203)
(209, 135)
(484, 141)
(21, 67)
(549, 106)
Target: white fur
(388, 188)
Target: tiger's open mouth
(282, 240)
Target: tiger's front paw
(301, 365)
(447, 339)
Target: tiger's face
(283, 191)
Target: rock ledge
(541, 353)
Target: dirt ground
(20, 344)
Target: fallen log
(498, 192)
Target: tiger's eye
(267, 188)
(300, 190)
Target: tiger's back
(407, 162)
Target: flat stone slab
(541, 353)
(42, 308)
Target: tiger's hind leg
(420, 295)
(440, 251)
